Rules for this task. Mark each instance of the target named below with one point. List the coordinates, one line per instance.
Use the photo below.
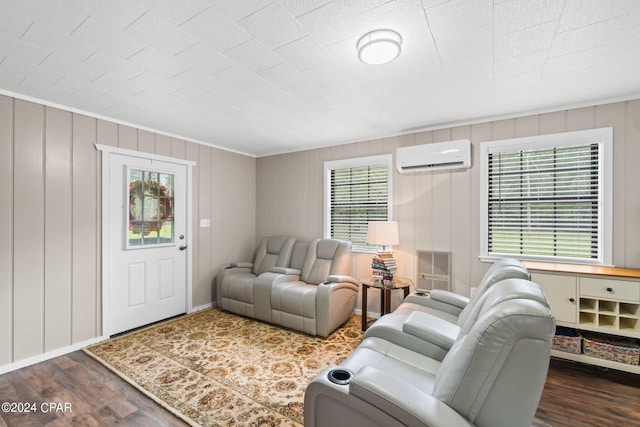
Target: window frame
(329, 165)
(604, 138)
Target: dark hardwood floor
(574, 395)
(97, 396)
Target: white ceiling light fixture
(379, 47)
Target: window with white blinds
(356, 191)
(546, 199)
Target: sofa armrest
(285, 270)
(337, 278)
(233, 268)
(335, 302)
(431, 328)
(330, 287)
(404, 402)
(442, 304)
(241, 264)
(450, 298)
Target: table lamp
(383, 264)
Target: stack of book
(383, 267)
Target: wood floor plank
(584, 395)
(114, 390)
(575, 395)
(98, 396)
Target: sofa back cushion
(324, 258)
(494, 375)
(299, 254)
(503, 291)
(273, 251)
(502, 269)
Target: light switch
(205, 223)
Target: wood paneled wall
(50, 204)
(440, 210)
(50, 221)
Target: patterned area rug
(213, 368)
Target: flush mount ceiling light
(379, 47)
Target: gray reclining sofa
(298, 285)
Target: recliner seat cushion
(293, 305)
(405, 365)
(297, 298)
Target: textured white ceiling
(265, 76)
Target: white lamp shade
(379, 47)
(383, 233)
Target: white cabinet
(562, 294)
(605, 300)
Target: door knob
(183, 247)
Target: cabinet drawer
(610, 289)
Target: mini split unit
(436, 156)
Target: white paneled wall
(50, 225)
(440, 210)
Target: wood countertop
(594, 270)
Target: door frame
(106, 224)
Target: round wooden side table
(385, 294)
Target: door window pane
(150, 206)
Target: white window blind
(548, 197)
(545, 202)
(358, 191)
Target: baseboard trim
(201, 307)
(373, 315)
(49, 355)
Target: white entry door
(147, 241)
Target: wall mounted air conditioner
(436, 156)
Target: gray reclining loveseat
(306, 286)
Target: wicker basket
(567, 340)
(612, 348)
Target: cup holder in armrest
(423, 293)
(339, 376)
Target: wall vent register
(434, 270)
